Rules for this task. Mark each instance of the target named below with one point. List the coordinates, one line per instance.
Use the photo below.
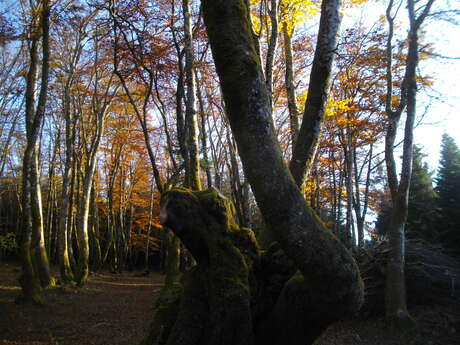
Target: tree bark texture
(303, 153)
(329, 277)
(297, 228)
(234, 295)
(32, 232)
(290, 87)
(191, 122)
(395, 292)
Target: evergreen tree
(422, 200)
(448, 189)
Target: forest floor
(116, 309)
(436, 325)
(112, 309)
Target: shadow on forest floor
(111, 309)
(116, 309)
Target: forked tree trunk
(395, 291)
(297, 228)
(328, 284)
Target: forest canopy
(223, 139)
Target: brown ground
(116, 310)
(110, 310)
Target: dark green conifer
(422, 214)
(448, 189)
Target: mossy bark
(333, 274)
(234, 295)
(215, 308)
(32, 246)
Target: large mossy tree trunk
(234, 295)
(334, 282)
(214, 307)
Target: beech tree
(36, 269)
(395, 294)
(328, 277)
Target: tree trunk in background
(290, 87)
(303, 153)
(65, 214)
(50, 200)
(349, 226)
(94, 231)
(204, 141)
(335, 289)
(149, 229)
(271, 50)
(395, 290)
(84, 202)
(38, 235)
(193, 171)
(31, 236)
(361, 211)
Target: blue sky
(443, 114)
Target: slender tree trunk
(83, 207)
(349, 185)
(64, 214)
(38, 236)
(193, 174)
(94, 231)
(149, 229)
(290, 88)
(204, 141)
(304, 151)
(272, 43)
(31, 236)
(395, 291)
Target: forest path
(112, 309)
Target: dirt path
(110, 310)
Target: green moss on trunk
(204, 221)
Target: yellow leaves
(309, 187)
(395, 101)
(354, 3)
(339, 107)
(293, 12)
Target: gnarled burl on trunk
(235, 294)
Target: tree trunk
(271, 50)
(96, 259)
(395, 292)
(290, 88)
(204, 141)
(84, 203)
(32, 232)
(300, 232)
(303, 153)
(193, 171)
(38, 235)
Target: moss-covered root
(166, 310)
(205, 223)
(293, 320)
(193, 310)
